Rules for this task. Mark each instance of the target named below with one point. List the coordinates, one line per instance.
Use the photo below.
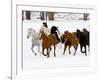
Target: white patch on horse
(45, 30)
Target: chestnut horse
(69, 40)
(47, 42)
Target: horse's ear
(78, 30)
(64, 32)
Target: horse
(47, 42)
(35, 39)
(83, 37)
(69, 40)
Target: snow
(30, 61)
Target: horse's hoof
(44, 54)
(47, 56)
(74, 55)
(85, 54)
(54, 55)
(35, 54)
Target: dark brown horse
(83, 37)
(69, 40)
(47, 42)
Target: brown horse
(69, 40)
(47, 42)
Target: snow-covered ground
(30, 61)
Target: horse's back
(74, 38)
(52, 38)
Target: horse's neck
(45, 37)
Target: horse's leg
(48, 53)
(43, 52)
(85, 51)
(75, 47)
(81, 48)
(54, 51)
(64, 49)
(69, 49)
(32, 49)
(50, 49)
(38, 48)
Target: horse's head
(54, 29)
(85, 30)
(65, 36)
(78, 33)
(29, 32)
